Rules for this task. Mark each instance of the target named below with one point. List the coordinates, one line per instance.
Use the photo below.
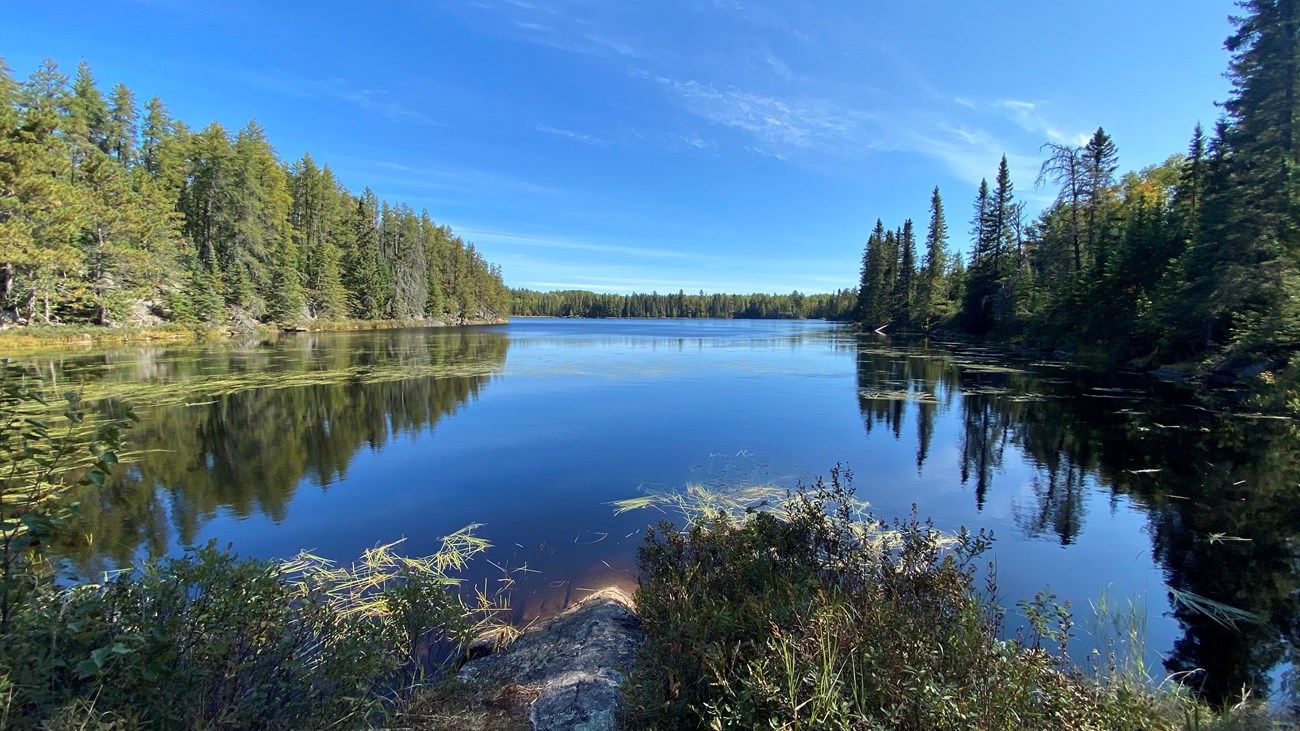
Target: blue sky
(723, 145)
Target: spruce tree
(1100, 161)
(121, 126)
(905, 282)
(932, 289)
(1261, 275)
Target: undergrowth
(813, 615)
(206, 640)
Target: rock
(1253, 370)
(576, 660)
(144, 313)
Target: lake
(1094, 485)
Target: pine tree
(40, 209)
(905, 282)
(1100, 161)
(981, 279)
(1000, 219)
(46, 91)
(120, 129)
(932, 303)
(88, 123)
(1260, 283)
(362, 261)
(862, 306)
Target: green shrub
(206, 640)
(812, 616)
(212, 641)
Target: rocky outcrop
(574, 662)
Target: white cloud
(777, 124)
(476, 181)
(1029, 117)
(567, 134)
(372, 100)
(506, 238)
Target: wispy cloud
(1029, 117)
(971, 154)
(506, 238)
(377, 101)
(756, 101)
(455, 179)
(568, 134)
(776, 123)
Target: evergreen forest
(114, 213)
(581, 303)
(1193, 262)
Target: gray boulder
(575, 661)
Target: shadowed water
(334, 442)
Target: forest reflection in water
(276, 444)
(1221, 490)
(242, 428)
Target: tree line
(581, 303)
(112, 213)
(1194, 259)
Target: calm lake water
(334, 442)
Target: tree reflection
(1221, 491)
(248, 451)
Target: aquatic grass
(206, 389)
(879, 394)
(367, 586)
(795, 619)
(698, 501)
(1222, 614)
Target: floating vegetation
(1275, 417)
(359, 589)
(204, 389)
(1223, 614)
(698, 502)
(1225, 538)
(600, 536)
(986, 391)
(1029, 397)
(977, 367)
(880, 394)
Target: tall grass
(209, 640)
(810, 614)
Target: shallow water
(1093, 485)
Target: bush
(212, 641)
(206, 640)
(815, 616)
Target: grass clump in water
(813, 616)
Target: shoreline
(35, 338)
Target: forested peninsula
(111, 215)
(582, 303)
(1191, 264)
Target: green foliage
(1195, 259)
(209, 640)
(44, 454)
(579, 303)
(205, 640)
(814, 616)
(105, 214)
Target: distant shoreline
(48, 337)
